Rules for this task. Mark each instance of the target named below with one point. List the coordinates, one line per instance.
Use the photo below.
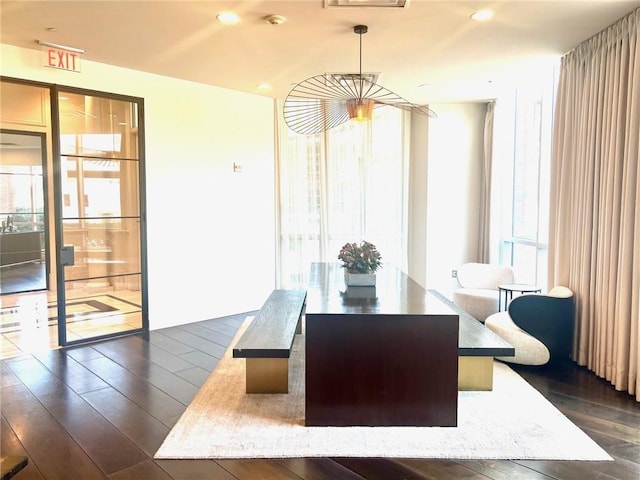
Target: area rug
(514, 421)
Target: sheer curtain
(484, 236)
(345, 185)
(595, 205)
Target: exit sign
(61, 59)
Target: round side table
(509, 288)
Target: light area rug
(514, 421)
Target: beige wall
(446, 157)
(453, 188)
(211, 244)
(417, 223)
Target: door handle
(67, 255)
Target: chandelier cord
(361, 79)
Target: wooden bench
(266, 344)
(477, 345)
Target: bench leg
(475, 373)
(267, 375)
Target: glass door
(100, 230)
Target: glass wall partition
(27, 263)
(71, 166)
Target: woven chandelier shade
(360, 110)
(325, 101)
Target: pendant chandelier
(325, 101)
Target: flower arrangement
(360, 258)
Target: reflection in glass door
(23, 256)
(100, 228)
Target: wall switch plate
(454, 273)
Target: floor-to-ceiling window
(525, 231)
(344, 185)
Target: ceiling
(428, 42)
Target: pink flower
(360, 258)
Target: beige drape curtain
(484, 237)
(594, 244)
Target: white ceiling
(432, 42)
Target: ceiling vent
(367, 3)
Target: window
(525, 237)
(347, 184)
(22, 200)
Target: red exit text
(62, 59)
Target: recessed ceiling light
(228, 18)
(482, 15)
(263, 86)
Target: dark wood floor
(101, 411)
(26, 277)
